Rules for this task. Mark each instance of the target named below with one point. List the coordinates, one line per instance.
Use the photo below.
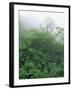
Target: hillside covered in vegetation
(41, 54)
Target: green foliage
(60, 34)
(40, 55)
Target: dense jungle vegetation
(41, 55)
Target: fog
(36, 20)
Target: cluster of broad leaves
(40, 55)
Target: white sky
(41, 16)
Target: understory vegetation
(40, 55)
